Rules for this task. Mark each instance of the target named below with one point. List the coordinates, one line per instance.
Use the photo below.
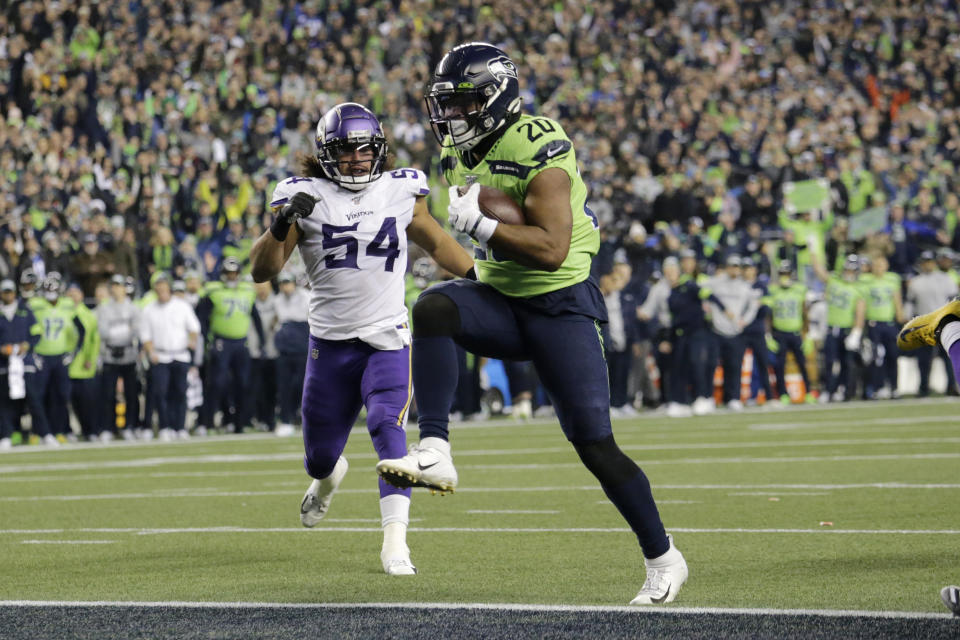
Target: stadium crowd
(144, 138)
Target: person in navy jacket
(16, 321)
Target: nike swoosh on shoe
(664, 597)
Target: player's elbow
(261, 273)
(554, 258)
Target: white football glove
(465, 214)
(852, 341)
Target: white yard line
(232, 459)
(513, 511)
(67, 541)
(777, 493)
(292, 471)
(659, 502)
(535, 530)
(784, 426)
(669, 610)
(194, 493)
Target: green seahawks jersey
(57, 333)
(84, 365)
(232, 309)
(787, 306)
(527, 147)
(842, 298)
(880, 295)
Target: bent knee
(606, 461)
(435, 314)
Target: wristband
(280, 228)
(483, 229)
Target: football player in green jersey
(787, 302)
(226, 312)
(845, 321)
(57, 321)
(881, 290)
(534, 298)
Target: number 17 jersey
(354, 246)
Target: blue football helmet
(52, 286)
(345, 128)
(473, 92)
(230, 267)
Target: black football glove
(299, 206)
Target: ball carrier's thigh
(475, 315)
(568, 355)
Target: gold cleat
(925, 330)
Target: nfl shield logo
(314, 353)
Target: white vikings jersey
(354, 246)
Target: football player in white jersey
(351, 219)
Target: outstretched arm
(426, 232)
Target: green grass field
(747, 496)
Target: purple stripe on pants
(340, 378)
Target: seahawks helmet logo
(502, 67)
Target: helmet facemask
(352, 130)
(342, 171)
(462, 118)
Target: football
(498, 205)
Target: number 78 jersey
(354, 246)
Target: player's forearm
(266, 257)
(531, 246)
(452, 257)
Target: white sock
(671, 556)
(436, 443)
(394, 508)
(949, 334)
(394, 516)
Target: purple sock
(954, 354)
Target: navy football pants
(565, 349)
(228, 370)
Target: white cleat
(735, 405)
(523, 410)
(665, 575)
(317, 499)
(6, 444)
(677, 410)
(703, 406)
(951, 597)
(427, 464)
(51, 440)
(284, 430)
(398, 565)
